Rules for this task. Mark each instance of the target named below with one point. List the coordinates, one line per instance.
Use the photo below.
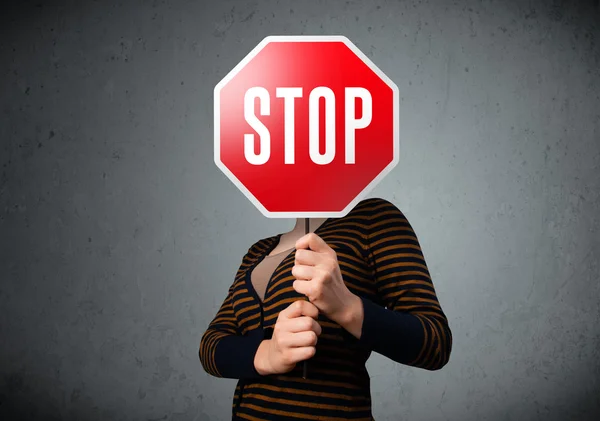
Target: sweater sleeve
(411, 329)
(224, 351)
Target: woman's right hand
(294, 339)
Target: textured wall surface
(119, 235)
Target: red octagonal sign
(305, 126)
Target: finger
(303, 287)
(293, 310)
(315, 326)
(300, 308)
(303, 324)
(313, 242)
(306, 257)
(303, 272)
(300, 339)
(302, 353)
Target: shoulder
(375, 207)
(259, 247)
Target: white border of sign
(305, 38)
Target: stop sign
(305, 126)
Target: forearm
(401, 336)
(231, 356)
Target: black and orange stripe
(382, 262)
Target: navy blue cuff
(394, 334)
(234, 355)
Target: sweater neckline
(274, 241)
(280, 253)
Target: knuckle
(308, 324)
(301, 325)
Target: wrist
(261, 358)
(352, 314)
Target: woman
(368, 289)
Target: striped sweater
(381, 261)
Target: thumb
(313, 242)
(301, 308)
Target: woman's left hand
(318, 277)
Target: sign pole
(305, 364)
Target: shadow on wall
(25, 397)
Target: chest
(253, 311)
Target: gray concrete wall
(120, 237)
